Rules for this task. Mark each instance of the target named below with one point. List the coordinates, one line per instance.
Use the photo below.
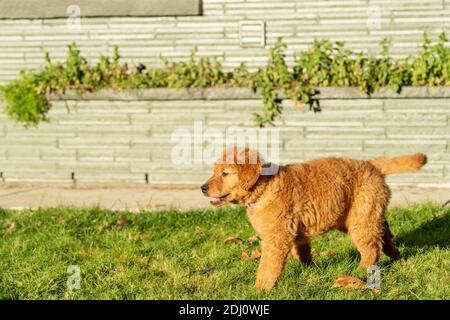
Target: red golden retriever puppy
(303, 200)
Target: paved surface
(143, 197)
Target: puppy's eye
(224, 174)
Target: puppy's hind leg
(301, 251)
(369, 246)
(366, 232)
(365, 222)
(388, 245)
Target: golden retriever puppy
(300, 201)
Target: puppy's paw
(262, 285)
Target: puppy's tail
(407, 163)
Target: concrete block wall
(217, 32)
(126, 137)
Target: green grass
(163, 255)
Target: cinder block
(103, 176)
(424, 105)
(51, 154)
(43, 175)
(363, 155)
(148, 143)
(248, 106)
(96, 155)
(167, 118)
(43, 130)
(406, 145)
(310, 155)
(27, 165)
(427, 133)
(132, 156)
(178, 177)
(355, 105)
(286, 133)
(87, 166)
(20, 153)
(32, 141)
(128, 131)
(333, 115)
(111, 107)
(93, 119)
(345, 133)
(184, 106)
(320, 122)
(164, 132)
(407, 120)
(230, 118)
(154, 167)
(339, 145)
(94, 143)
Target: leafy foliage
(26, 103)
(324, 64)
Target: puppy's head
(235, 173)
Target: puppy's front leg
(274, 254)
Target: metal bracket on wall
(72, 177)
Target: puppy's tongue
(216, 201)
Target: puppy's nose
(204, 188)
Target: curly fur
(304, 200)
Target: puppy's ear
(248, 175)
(250, 168)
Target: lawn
(174, 255)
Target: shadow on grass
(431, 234)
(434, 233)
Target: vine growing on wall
(324, 64)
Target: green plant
(195, 73)
(276, 76)
(26, 103)
(432, 66)
(324, 64)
